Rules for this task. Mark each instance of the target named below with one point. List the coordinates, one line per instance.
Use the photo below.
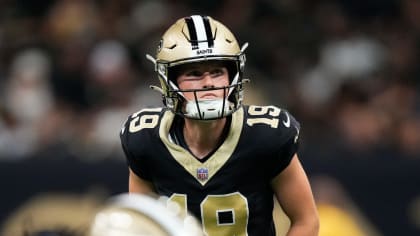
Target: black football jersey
(230, 192)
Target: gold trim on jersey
(216, 160)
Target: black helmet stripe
(192, 31)
(208, 31)
(200, 32)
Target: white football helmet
(196, 39)
(141, 215)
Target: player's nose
(207, 80)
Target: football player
(217, 158)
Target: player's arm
(294, 194)
(139, 185)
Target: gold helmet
(196, 39)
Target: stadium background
(348, 70)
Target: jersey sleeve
(135, 143)
(133, 161)
(287, 141)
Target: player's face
(202, 76)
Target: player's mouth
(208, 96)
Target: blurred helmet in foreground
(141, 215)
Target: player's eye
(194, 73)
(217, 72)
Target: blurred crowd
(71, 71)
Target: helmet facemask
(177, 48)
